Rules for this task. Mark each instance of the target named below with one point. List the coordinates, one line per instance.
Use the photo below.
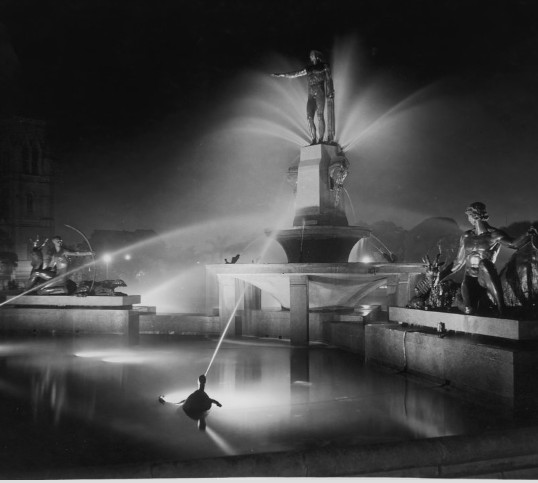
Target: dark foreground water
(85, 401)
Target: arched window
(29, 203)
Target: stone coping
(358, 268)
(73, 301)
(322, 231)
(496, 454)
(470, 324)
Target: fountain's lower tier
(319, 244)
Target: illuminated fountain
(319, 283)
(275, 398)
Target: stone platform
(493, 358)
(72, 301)
(69, 314)
(305, 287)
(470, 324)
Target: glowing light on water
(92, 354)
(174, 397)
(120, 356)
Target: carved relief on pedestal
(338, 171)
(292, 178)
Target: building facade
(26, 188)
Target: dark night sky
(134, 91)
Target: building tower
(26, 188)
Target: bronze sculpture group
(51, 269)
(52, 264)
(483, 289)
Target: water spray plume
(267, 128)
(351, 206)
(232, 317)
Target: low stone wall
(504, 370)
(179, 324)
(509, 454)
(69, 315)
(345, 331)
(78, 321)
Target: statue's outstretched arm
(214, 401)
(291, 75)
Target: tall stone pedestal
(315, 194)
(320, 233)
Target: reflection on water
(85, 401)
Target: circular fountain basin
(71, 405)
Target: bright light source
(127, 257)
(366, 259)
(107, 257)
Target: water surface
(84, 401)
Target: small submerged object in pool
(198, 404)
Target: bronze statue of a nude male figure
(320, 87)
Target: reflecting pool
(85, 401)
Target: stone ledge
(509, 453)
(470, 324)
(73, 301)
(78, 320)
(500, 370)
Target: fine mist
(416, 151)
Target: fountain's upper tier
(321, 232)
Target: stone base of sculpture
(504, 328)
(72, 315)
(490, 357)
